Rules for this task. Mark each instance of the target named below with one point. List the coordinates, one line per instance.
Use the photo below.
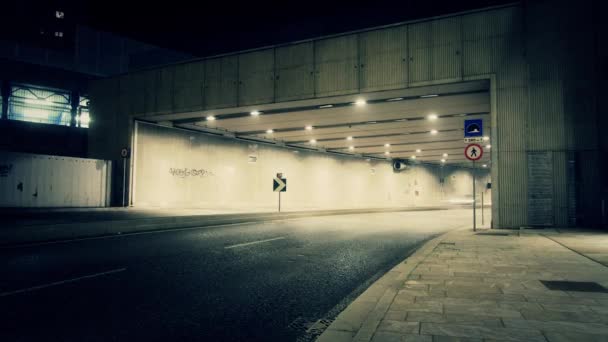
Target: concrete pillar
(74, 102)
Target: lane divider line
(61, 282)
(254, 242)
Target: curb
(379, 296)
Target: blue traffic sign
(473, 128)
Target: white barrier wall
(32, 180)
(178, 168)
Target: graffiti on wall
(5, 169)
(187, 172)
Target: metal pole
(124, 180)
(482, 218)
(474, 201)
(279, 201)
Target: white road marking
(61, 282)
(254, 242)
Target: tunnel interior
(385, 149)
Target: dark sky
(211, 27)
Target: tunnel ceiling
(425, 122)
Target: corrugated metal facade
(383, 59)
(294, 72)
(31, 180)
(540, 76)
(336, 63)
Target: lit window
(59, 34)
(43, 105)
(59, 14)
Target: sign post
(474, 152)
(279, 184)
(124, 153)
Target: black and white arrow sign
(279, 184)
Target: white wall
(225, 178)
(32, 180)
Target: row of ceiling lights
(362, 102)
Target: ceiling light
(269, 131)
(413, 157)
(360, 102)
(349, 138)
(387, 153)
(371, 122)
(387, 145)
(443, 160)
(326, 106)
(395, 99)
(308, 128)
(488, 146)
(486, 138)
(368, 159)
(418, 150)
(210, 118)
(255, 113)
(313, 141)
(430, 95)
(400, 120)
(445, 155)
(351, 148)
(432, 117)
(433, 131)
(484, 165)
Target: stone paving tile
(487, 296)
(439, 338)
(425, 282)
(336, 336)
(399, 327)
(560, 300)
(430, 317)
(395, 315)
(570, 316)
(412, 292)
(385, 336)
(567, 307)
(557, 326)
(470, 331)
(481, 310)
(420, 307)
(578, 337)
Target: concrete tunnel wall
(178, 168)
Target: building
(533, 71)
(45, 70)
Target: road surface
(247, 282)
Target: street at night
(263, 281)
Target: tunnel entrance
(337, 152)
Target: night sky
(211, 27)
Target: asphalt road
(248, 282)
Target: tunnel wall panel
(189, 87)
(178, 168)
(337, 66)
(221, 77)
(295, 72)
(256, 77)
(383, 59)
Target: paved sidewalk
(464, 286)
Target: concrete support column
(6, 94)
(74, 102)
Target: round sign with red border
(473, 152)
